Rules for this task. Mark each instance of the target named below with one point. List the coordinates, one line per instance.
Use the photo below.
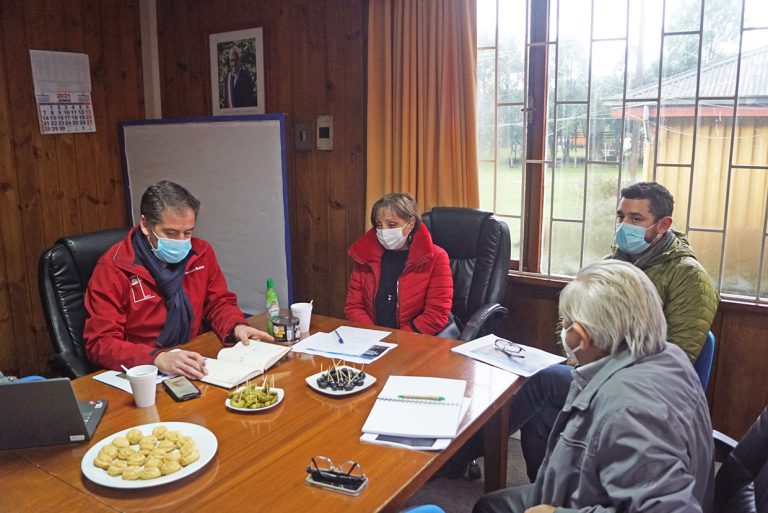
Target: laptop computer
(46, 412)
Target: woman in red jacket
(401, 279)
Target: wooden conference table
(261, 458)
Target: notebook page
(409, 406)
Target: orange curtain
(421, 101)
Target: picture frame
(241, 92)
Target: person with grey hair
(239, 84)
(634, 434)
(152, 291)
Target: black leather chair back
(63, 274)
(479, 247)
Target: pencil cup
(302, 311)
(142, 379)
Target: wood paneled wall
(55, 185)
(738, 387)
(314, 55)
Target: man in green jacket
(643, 237)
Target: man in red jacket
(152, 290)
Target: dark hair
(401, 204)
(166, 195)
(662, 202)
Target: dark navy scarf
(169, 279)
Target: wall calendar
(63, 92)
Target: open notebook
(419, 407)
(236, 364)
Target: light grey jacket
(635, 436)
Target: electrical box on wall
(325, 133)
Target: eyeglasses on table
(348, 474)
(509, 348)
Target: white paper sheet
(484, 350)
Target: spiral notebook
(416, 406)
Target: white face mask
(391, 238)
(571, 353)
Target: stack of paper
(353, 345)
(416, 412)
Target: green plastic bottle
(273, 307)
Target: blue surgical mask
(631, 239)
(171, 251)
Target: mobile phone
(180, 388)
(337, 487)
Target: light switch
(325, 133)
(303, 134)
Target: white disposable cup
(142, 379)
(302, 311)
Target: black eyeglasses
(347, 475)
(509, 348)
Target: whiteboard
(235, 166)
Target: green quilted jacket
(686, 291)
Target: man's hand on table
(186, 363)
(244, 333)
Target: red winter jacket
(126, 311)
(425, 288)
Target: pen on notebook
(422, 397)
(341, 340)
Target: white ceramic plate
(312, 382)
(280, 395)
(204, 439)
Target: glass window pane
(764, 278)
(486, 23)
(744, 231)
(509, 163)
(552, 36)
(710, 172)
(677, 180)
(600, 215)
(566, 248)
(511, 48)
(720, 39)
(681, 56)
(573, 50)
(546, 218)
(752, 82)
(708, 248)
(682, 15)
(756, 13)
(568, 192)
(675, 145)
(644, 39)
(514, 234)
(571, 139)
(610, 19)
(486, 103)
(751, 145)
(605, 101)
(637, 146)
(487, 184)
(551, 70)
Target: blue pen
(341, 340)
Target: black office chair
(741, 484)
(63, 274)
(478, 245)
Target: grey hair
(618, 305)
(166, 195)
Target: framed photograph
(237, 72)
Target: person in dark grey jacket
(634, 434)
